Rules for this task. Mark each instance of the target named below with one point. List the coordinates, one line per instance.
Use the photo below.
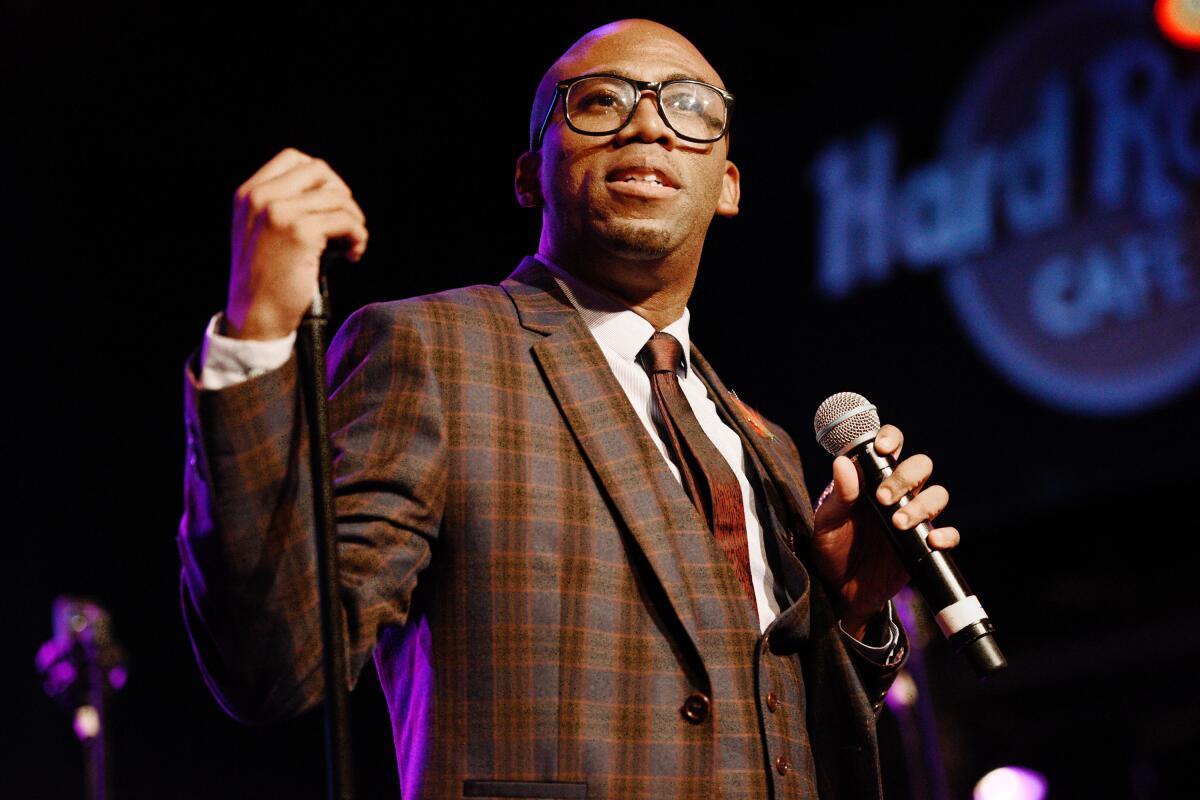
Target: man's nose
(647, 124)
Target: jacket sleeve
(248, 583)
(876, 677)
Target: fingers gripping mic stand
(310, 354)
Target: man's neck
(657, 291)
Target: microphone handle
(958, 612)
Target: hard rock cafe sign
(1062, 214)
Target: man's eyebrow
(674, 76)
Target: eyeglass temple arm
(535, 143)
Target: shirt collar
(612, 323)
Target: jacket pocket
(528, 789)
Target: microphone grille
(844, 420)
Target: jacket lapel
(782, 467)
(661, 520)
(783, 482)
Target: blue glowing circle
(1107, 345)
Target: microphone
(847, 424)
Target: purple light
(902, 696)
(1011, 783)
(404, 659)
(59, 678)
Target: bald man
(583, 566)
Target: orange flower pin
(751, 416)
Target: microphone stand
(310, 353)
(913, 707)
(82, 667)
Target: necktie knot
(662, 353)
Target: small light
(86, 722)
(1011, 783)
(1180, 21)
(903, 693)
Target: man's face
(594, 187)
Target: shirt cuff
(225, 361)
(884, 655)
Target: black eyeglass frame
(640, 86)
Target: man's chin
(638, 242)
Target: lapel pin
(752, 418)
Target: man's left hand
(851, 551)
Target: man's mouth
(642, 181)
(650, 175)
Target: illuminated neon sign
(1062, 212)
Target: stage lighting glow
(1180, 21)
(903, 694)
(1011, 783)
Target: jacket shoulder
(464, 305)
(415, 327)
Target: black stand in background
(911, 703)
(310, 352)
(81, 667)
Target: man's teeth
(646, 178)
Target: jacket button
(783, 765)
(772, 701)
(695, 708)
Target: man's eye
(598, 100)
(687, 103)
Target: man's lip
(638, 172)
(642, 190)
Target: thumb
(845, 489)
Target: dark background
(128, 133)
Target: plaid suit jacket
(548, 613)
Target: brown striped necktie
(707, 478)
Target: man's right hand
(283, 217)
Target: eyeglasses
(596, 105)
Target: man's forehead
(638, 49)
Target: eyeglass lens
(602, 105)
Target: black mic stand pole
(913, 705)
(310, 353)
(82, 666)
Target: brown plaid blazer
(548, 613)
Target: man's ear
(528, 184)
(731, 191)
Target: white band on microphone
(956, 616)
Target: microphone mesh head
(843, 420)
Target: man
(585, 569)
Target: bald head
(642, 40)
